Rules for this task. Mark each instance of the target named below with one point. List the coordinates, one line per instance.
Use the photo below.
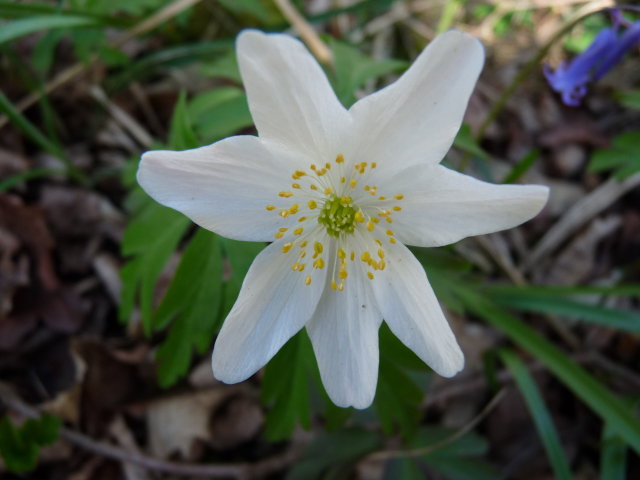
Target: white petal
(273, 305)
(344, 334)
(223, 187)
(415, 119)
(290, 98)
(441, 206)
(413, 314)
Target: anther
(307, 281)
(285, 194)
(270, 207)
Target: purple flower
(607, 49)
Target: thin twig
(76, 69)
(306, 32)
(233, 470)
(417, 452)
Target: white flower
(339, 192)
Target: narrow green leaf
(11, 9)
(613, 456)
(540, 414)
(522, 167)
(579, 381)
(32, 174)
(620, 319)
(25, 26)
(563, 291)
(30, 130)
(466, 142)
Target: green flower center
(338, 215)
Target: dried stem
(306, 32)
(417, 452)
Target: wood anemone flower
(339, 193)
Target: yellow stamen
(307, 281)
(286, 247)
(285, 194)
(270, 207)
(312, 204)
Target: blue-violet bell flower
(339, 192)
(607, 49)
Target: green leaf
(20, 446)
(175, 56)
(193, 302)
(353, 69)
(151, 238)
(579, 381)
(523, 299)
(25, 26)
(629, 99)
(260, 9)
(540, 413)
(623, 156)
(285, 387)
(220, 113)
(225, 66)
(30, 130)
(522, 167)
(333, 455)
(398, 395)
(466, 142)
(240, 256)
(613, 456)
(181, 134)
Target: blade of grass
(539, 413)
(563, 291)
(608, 317)
(25, 26)
(579, 381)
(11, 9)
(28, 175)
(613, 456)
(37, 137)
